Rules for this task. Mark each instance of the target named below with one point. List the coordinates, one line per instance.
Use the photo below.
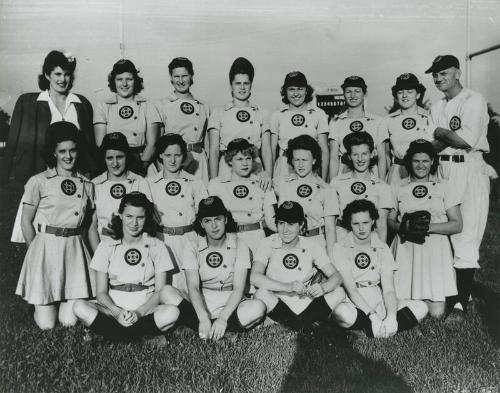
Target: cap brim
(429, 70)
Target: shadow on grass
(325, 361)
(488, 307)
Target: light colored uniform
(55, 268)
(299, 263)
(108, 194)
(467, 115)
(216, 267)
(131, 264)
(425, 271)
(250, 123)
(131, 118)
(350, 188)
(287, 124)
(401, 129)
(176, 202)
(188, 118)
(366, 264)
(342, 125)
(315, 197)
(246, 201)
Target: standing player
(461, 117)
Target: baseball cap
(295, 78)
(179, 62)
(290, 212)
(115, 141)
(406, 82)
(211, 207)
(354, 81)
(443, 62)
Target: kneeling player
(367, 268)
(284, 269)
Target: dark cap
(290, 212)
(354, 81)
(124, 65)
(179, 62)
(211, 207)
(295, 78)
(115, 141)
(420, 146)
(241, 66)
(61, 131)
(406, 82)
(444, 62)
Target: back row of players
(299, 134)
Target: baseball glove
(414, 226)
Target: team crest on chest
(304, 190)
(356, 126)
(358, 187)
(68, 187)
(126, 112)
(240, 191)
(173, 188)
(290, 261)
(298, 120)
(187, 108)
(455, 123)
(117, 191)
(243, 116)
(133, 256)
(420, 191)
(409, 123)
(214, 259)
(362, 260)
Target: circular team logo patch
(117, 191)
(240, 191)
(358, 188)
(214, 259)
(173, 188)
(243, 116)
(362, 260)
(126, 112)
(409, 123)
(420, 191)
(298, 120)
(290, 261)
(304, 190)
(68, 187)
(133, 256)
(455, 123)
(356, 126)
(187, 108)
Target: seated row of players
(55, 203)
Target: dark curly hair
(305, 142)
(421, 146)
(55, 59)
(136, 199)
(309, 94)
(120, 67)
(170, 139)
(231, 226)
(356, 139)
(239, 145)
(63, 131)
(359, 206)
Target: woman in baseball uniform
(354, 119)
(298, 116)
(360, 182)
(303, 185)
(284, 271)
(129, 113)
(425, 271)
(407, 122)
(216, 267)
(55, 269)
(176, 195)
(240, 118)
(131, 269)
(183, 114)
(367, 268)
(111, 185)
(251, 207)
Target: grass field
(433, 358)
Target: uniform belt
(107, 232)
(248, 227)
(366, 284)
(455, 158)
(398, 161)
(221, 289)
(314, 231)
(129, 287)
(196, 147)
(175, 231)
(58, 231)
